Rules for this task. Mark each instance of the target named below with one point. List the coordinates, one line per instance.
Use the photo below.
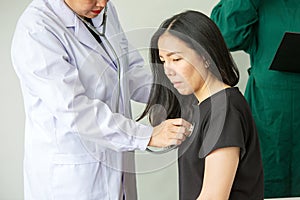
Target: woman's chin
(184, 92)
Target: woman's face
(87, 8)
(182, 65)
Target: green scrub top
(257, 27)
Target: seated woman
(221, 159)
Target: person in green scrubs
(257, 27)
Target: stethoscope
(171, 147)
(102, 35)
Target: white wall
(11, 108)
(156, 175)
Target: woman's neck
(211, 86)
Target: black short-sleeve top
(222, 120)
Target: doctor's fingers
(176, 129)
(173, 138)
(180, 122)
(174, 142)
(181, 125)
(176, 136)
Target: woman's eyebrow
(173, 52)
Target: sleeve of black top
(225, 129)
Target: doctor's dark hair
(201, 34)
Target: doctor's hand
(170, 132)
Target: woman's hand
(170, 132)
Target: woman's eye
(176, 59)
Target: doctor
(78, 122)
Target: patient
(221, 159)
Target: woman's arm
(219, 173)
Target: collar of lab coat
(68, 17)
(70, 20)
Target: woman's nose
(101, 3)
(168, 69)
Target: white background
(157, 177)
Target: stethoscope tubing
(102, 35)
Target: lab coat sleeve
(237, 21)
(140, 81)
(43, 66)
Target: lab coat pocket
(80, 177)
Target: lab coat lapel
(81, 33)
(85, 37)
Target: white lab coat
(73, 138)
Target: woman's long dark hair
(201, 34)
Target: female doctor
(77, 88)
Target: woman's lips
(96, 11)
(176, 84)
